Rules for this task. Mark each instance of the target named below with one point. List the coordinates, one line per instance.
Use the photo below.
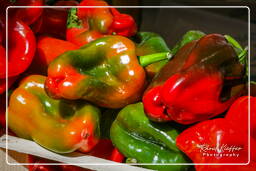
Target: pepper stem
(155, 57)
(73, 21)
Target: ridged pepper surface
(61, 126)
(105, 72)
(201, 81)
(135, 136)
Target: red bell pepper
(48, 48)
(27, 15)
(223, 140)
(200, 82)
(21, 49)
(238, 114)
(87, 24)
(122, 24)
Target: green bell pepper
(137, 137)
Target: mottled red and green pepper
(61, 126)
(87, 24)
(105, 72)
(201, 81)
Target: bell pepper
(59, 125)
(48, 48)
(238, 114)
(99, 19)
(105, 72)
(221, 140)
(27, 15)
(78, 32)
(87, 24)
(21, 49)
(136, 137)
(154, 53)
(201, 81)
(122, 24)
(216, 141)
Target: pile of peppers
(88, 80)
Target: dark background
(172, 23)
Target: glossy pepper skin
(99, 19)
(78, 32)
(21, 49)
(27, 15)
(105, 72)
(106, 20)
(231, 131)
(150, 43)
(88, 24)
(200, 82)
(238, 114)
(154, 53)
(122, 24)
(49, 48)
(136, 137)
(58, 125)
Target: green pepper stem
(73, 21)
(155, 57)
